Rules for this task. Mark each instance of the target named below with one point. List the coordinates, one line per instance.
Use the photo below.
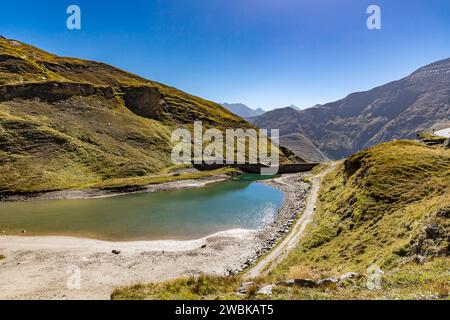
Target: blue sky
(264, 53)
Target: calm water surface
(178, 215)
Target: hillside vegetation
(70, 123)
(387, 206)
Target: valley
(89, 191)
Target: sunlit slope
(71, 123)
(386, 205)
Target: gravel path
(280, 251)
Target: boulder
(245, 287)
(419, 259)
(349, 275)
(143, 101)
(432, 231)
(305, 283)
(266, 290)
(327, 282)
(287, 283)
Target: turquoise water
(179, 215)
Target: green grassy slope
(388, 205)
(385, 205)
(22, 63)
(69, 123)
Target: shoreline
(35, 267)
(83, 194)
(296, 193)
(67, 242)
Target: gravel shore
(98, 193)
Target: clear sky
(264, 53)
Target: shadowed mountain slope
(397, 110)
(288, 121)
(242, 110)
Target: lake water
(178, 215)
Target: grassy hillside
(388, 205)
(70, 123)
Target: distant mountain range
(242, 110)
(248, 113)
(293, 107)
(397, 110)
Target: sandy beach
(39, 267)
(42, 267)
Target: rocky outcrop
(267, 289)
(144, 101)
(52, 91)
(14, 67)
(433, 240)
(431, 139)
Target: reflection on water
(180, 214)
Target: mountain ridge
(242, 110)
(399, 109)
